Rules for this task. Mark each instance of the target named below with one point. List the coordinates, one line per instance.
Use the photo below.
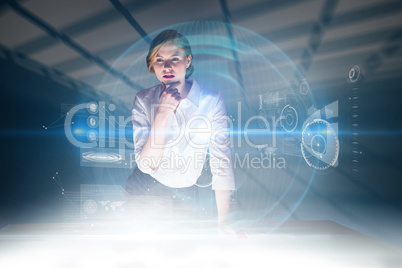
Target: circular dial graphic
(354, 74)
(304, 88)
(289, 118)
(320, 145)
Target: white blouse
(199, 124)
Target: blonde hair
(161, 39)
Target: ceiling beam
(317, 33)
(83, 26)
(127, 15)
(70, 43)
(233, 42)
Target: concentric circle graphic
(304, 88)
(256, 79)
(354, 74)
(92, 107)
(289, 118)
(320, 145)
(92, 121)
(92, 135)
(102, 157)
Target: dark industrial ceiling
(77, 42)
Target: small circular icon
(318, 145)
(92, 121)
(90, 206)
(304, 88)
(112, 107)
(289, 118)
(92, 135)
(354, 74)
(92, 107)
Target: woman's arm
(224, 224)
(220, 162)
(223, 204)
(152, 151)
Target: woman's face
(170, 64)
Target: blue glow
(243, 67)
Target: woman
(175, 123)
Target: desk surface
(190, 244)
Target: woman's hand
(169, 99)
(227, 228)
(152, 151)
